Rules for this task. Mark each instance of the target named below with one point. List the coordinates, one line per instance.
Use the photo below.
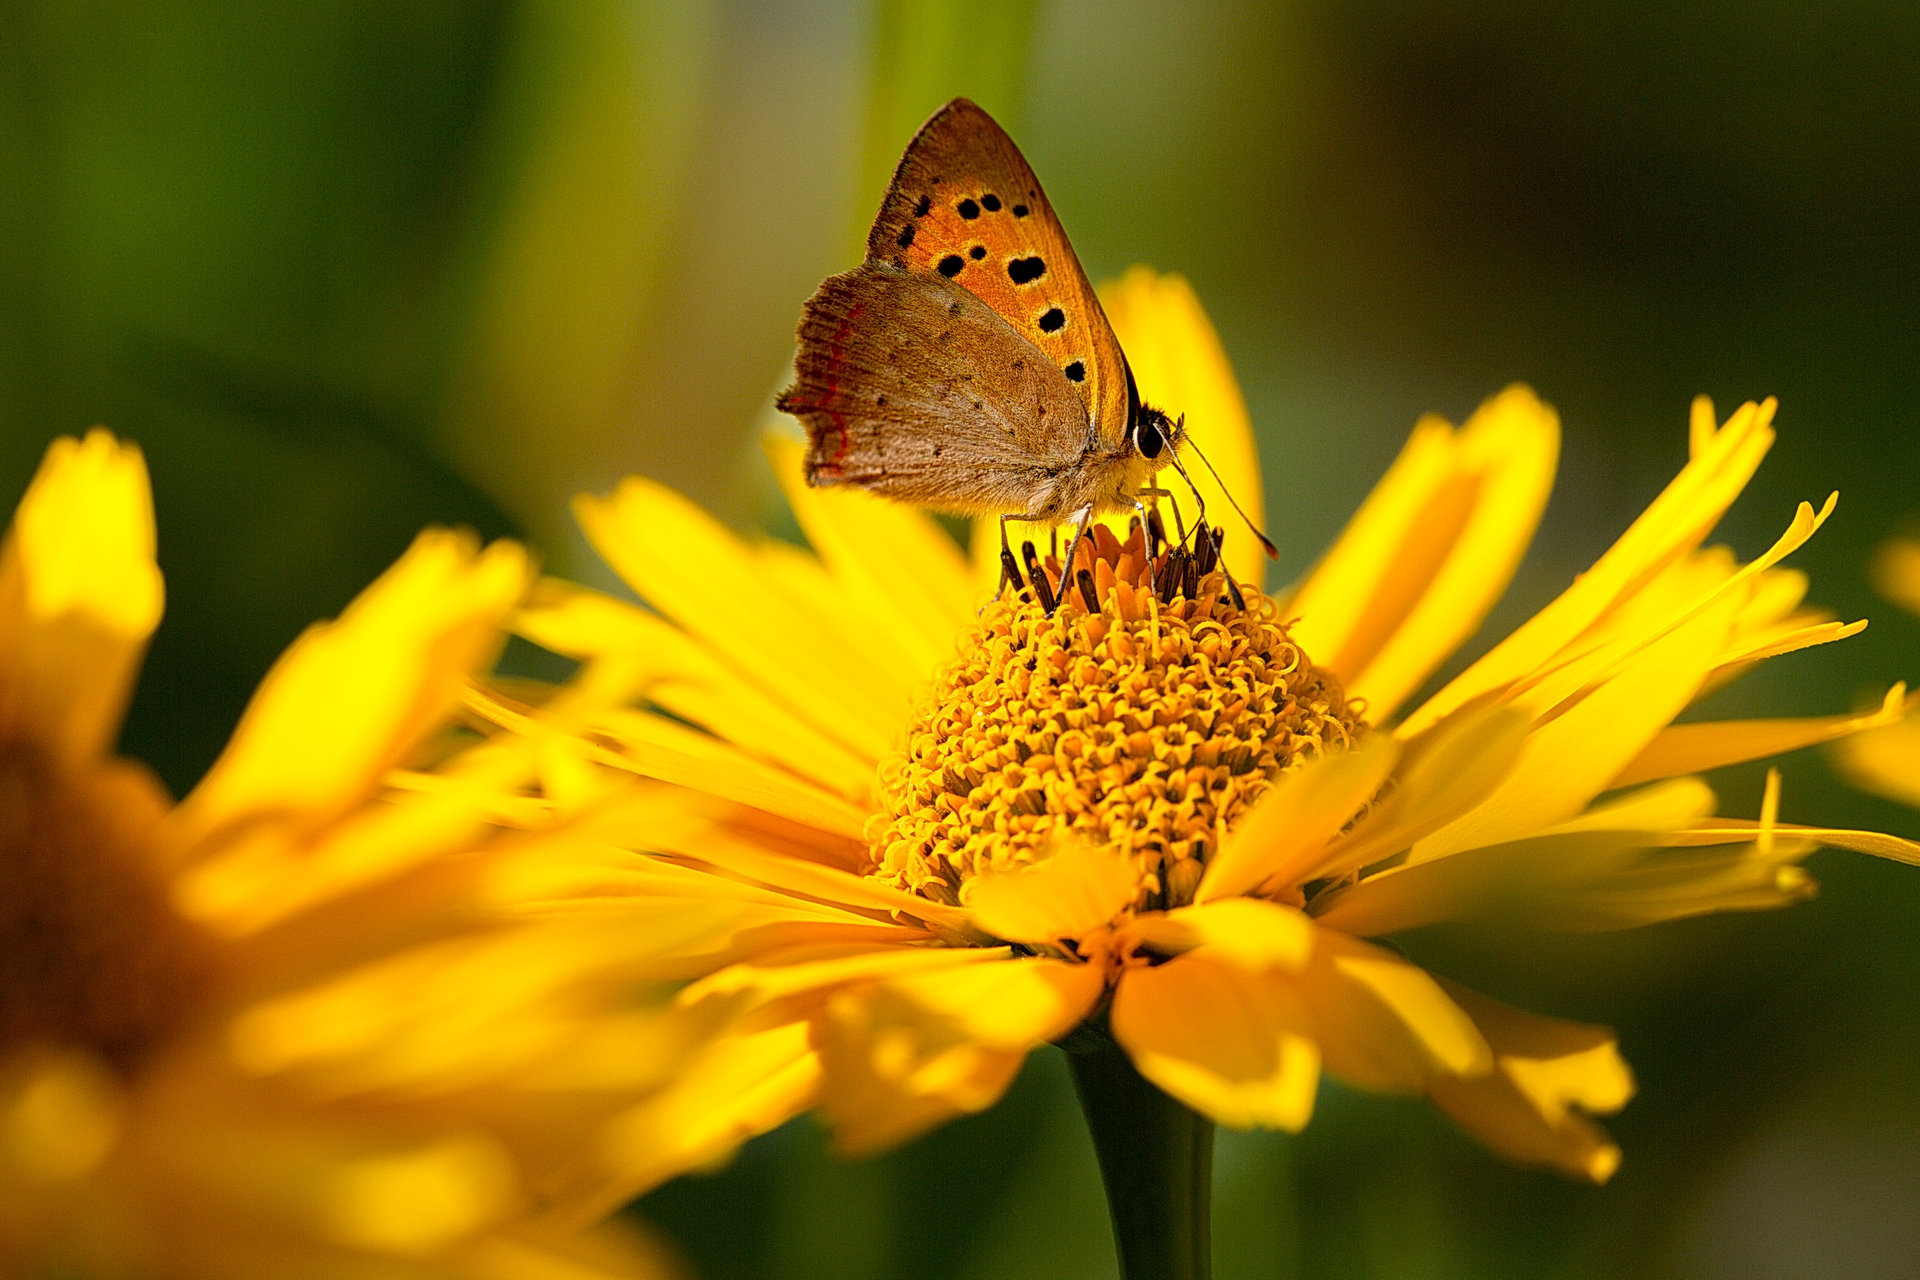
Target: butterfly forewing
(965, 205)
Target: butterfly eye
(1147, 438)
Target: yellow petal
(884, 1083)
(1581, 880)
(673, 829)
(655, 747)
(1435, 544)
(1697, 587)
(419, 1200)
(633, 654)
(1695, 748)
(743, 1086)
(1876, 843)
(617, 1250)
(1885, 761)
(1702, 425)
(1648, 857)
(352, 697)
(812, 603)
(1676, 523)
(1444, 772)
(753, 611)
(1571, 758)
(60, 1113)
(916, 1047)
(1230, 1043)
(1545, 1069)
(79, 596)
(1068, 895)
(1896, 572)
(767, 982)
(1284, 838)
(440, 1016)
(1382, 1023)
(1014, 1003)
(1440, 533)
(1775, 641)
(1249, 932)
(901, 571)
(1182, 368)
(1667, 805)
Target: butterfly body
(967, 365)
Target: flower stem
(1156, 1158)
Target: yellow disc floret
(1149, 723)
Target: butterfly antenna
(1266, 544)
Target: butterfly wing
(915, 388)
(965, 205)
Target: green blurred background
(346, 268)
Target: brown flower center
(92, 953)
(1149, 722)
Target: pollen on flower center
(92, 953)
(1149, 724)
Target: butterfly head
(1155, 434)
(1152, 437)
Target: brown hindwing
(914, 388)
(964, 204)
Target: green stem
(1156, 1158)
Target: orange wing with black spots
(965, 204)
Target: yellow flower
(1886, 760)
(1171, 812)
(134, 932)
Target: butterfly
(967, 364)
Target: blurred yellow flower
(1886, 760)
(1171, 812)
(133, 932)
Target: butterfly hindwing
(913, 387)
(965, 205)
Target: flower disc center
(92, 953)
(1149, 724)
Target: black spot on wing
(978, 252)
(906, 236)
(990, 202)
(1076, 372)
(923, 206)
(1053, 320)
(951, 264)
(968, 209)
(1026, 270)
(1019, 211)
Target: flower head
(902, 830)
(136, 933)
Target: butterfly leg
(1146, 537)
(1085, 518)
(1009, 567)
(1179, 525)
